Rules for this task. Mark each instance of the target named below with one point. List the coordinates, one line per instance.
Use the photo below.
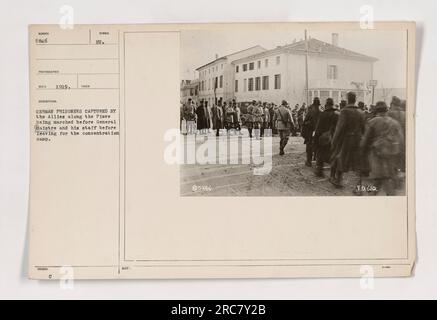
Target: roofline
(226, 56)
(289, 47)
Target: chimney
(216, 56)
(335, 39)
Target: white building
(216, 78)
(279, 74)
(189, 90)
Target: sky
(199, 47)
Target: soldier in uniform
(301, 117)
(189, 115)
(203, 118)
(382, 144)
(266, 119)
(308, 127)
(323, 135)
(346, 140)
(258, 118)
(343, 103)
(250, 117)
(217, 118)
(229, 116)
(294, 115)
(283, 123)
(237, 116)
(397, 112)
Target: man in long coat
(217, 118)
(283, 123)
(398, 113)
(203, 117)
(382, 143)
(323, 136)
(308, 127)
(346, 140)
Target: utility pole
(373, 84)
(306, 68)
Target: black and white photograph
(279, 111)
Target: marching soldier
(283, 123)
(308, 127)
(398, 113)
(301, 117)
(323, 136)
(382, 143)
(346, 140)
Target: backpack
(389, 144)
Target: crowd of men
(368, 140)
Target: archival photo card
(222, 150)
(293, 112)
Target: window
(222, 66)
(221, 81)
(245, 85)
(266, 83)
(257, 83)
(266, 63)
(237, 69)
(259, 64)
(332, 72)
(245, 67)
(216, 83)
(236, 85)
(251, 66)
(278, 60)
(250, 84)
(277, 81)
(209, 84)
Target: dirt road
(289, 176)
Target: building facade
(216, 79)
(189, 90)
(280, 74)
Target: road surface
(289, 175)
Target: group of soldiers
(368, 141)
(200, 117)
(349, 136)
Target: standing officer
(258, 119)
(250, 118)
(283, 123)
